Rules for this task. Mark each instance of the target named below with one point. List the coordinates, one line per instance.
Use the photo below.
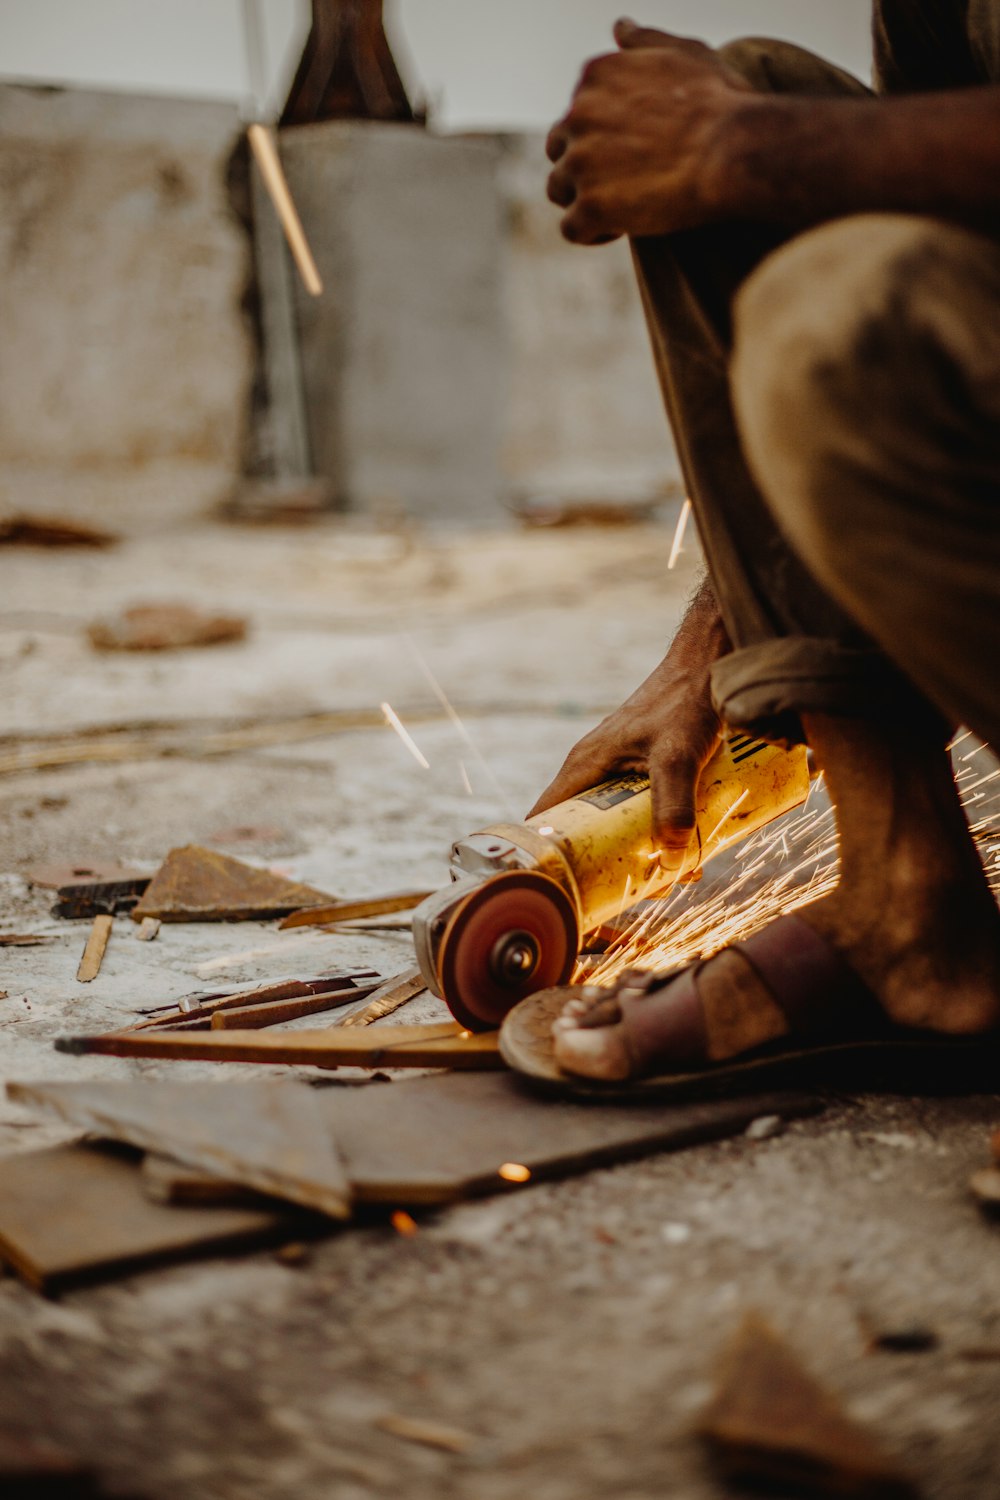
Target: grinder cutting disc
(516, 933)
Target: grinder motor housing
(525, 895)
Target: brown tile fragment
(771, 1422)
(199, 885)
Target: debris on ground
(166, 1180)
(200, 885)
(353, 911)
(24, 939)
(70, 1214)
(93, 953)
(90, 898)
(430, 1141)
(430, 1434)
(199, 1011)
(271, 1136)
(547, 513)
(388, 998)
(770, 1422)
(164, 627)
(52, 531)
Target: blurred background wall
(461, 356)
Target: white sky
(483, 64)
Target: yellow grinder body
(525, 895)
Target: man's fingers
(561, 188)
(583, 225)
(556, 141)
(675, 780)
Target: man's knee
(775, 67)
(849, 342)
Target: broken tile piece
(199, 885)
(75, 1213)
(771, 1422)
(272, 1138)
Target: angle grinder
(524, 896)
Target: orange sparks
(513, 1171)
(404, 1224)
(678, 541)
(395, 722)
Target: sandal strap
(674, 1028)
(816, 988)
(819, 993)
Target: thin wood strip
(387, 999)
(273, 1012)
(351, 911)
(288, 989)
(443, 1046)
(93, 954)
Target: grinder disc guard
(516, 933)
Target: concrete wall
(583, 414)
(123, 344)
(461, 352)
(404, 354)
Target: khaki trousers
(835, 400)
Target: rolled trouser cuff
(766, 688)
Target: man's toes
(598, 1052)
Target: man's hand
(668, 729)
(638, 153)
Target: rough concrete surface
(570, 1329)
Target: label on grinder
(610, 793)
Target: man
(820, 268)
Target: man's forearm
(800, 161)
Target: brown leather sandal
(837, 1032)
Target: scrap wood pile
(172, 1169)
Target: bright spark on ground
(513, 1171)
(395, 722)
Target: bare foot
(912, 915)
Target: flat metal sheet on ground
(271, 1136)
(73, 1213)
(436, 1140)
(422, 1141)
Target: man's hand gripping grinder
(524, 896)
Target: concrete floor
(571, 1328)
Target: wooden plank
(352, 911)
(444, 1046)
(147, 929)
(394, 993)
(272, 1137)
(93, 953)
(76, 1213)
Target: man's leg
(912, 914)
